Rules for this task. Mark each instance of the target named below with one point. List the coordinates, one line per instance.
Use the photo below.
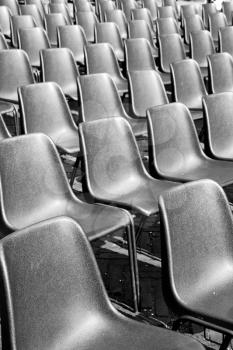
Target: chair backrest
(188, 84)
(219, 125)
(173, 141)
(60, 8)
(99, 97)
(220, 72)
(104, 7)
(142, 14)
(4, 132)
(33, 10)
(15, 71)
(171, 49)
(201, 45)
(146, 90)
(186, 11)
(39, 5)
(5, 23)
(32, 40)
(108, 32)
(227, 7)
(87, 20)
(151, 5)
(17, 22)
(12, 5)
(52, 117)
(207, 10)
(52, 21)
(140, 29)
(226, 39)
(196, 212)
(61, 290)
(59, 65)
(111, 156)
(127, 6)
(166, 11)
(117, 16)
(3, 42)
(172, 3)
(74, 38)
(39, 181)
(82, 6)
(167, 25)
(192, 24)
(138, 55)
(216, 21)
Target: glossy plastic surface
(140, 29)
(227, 8)
(143, 14)
(39, 4)
(33, 10)
(52, 21)
(87, 20)
(12, 5)
(117, 16)
(226, 39)
(5, 16)
(167, 25)
(17, 22)
(171, 49)
(201, 45)
(192, 24)
(221, 72)
(216, 21)
(60, 8)
(138, 55)
(151, 5)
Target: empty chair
(227, 7)
(188, 85)
(220, 72)
(146, 90)
(226, 39)
(171, 49)
(18, 22)
(32, 40)
(82, 6)
(138, 55)
(167, 26)
(59, 65)
(52, 21)
(175, 152)
(140, 29)
(197, 278)
(143, 14)
(60, 8)
(87, 20)
(151, 5)
(117, 16)
(99, 98)
(105, 6)
(219, 121)
(4, 132)
(166, 11)
(5, 22)
(3, 42)
(12, 5)
(208, 9)
(216, 21)
(192, 24)
(127, 6)
(67, 294)
(175, 6)
(108, 32)
(33, 10)
(39, 4)
(186, 11)
(201, 45)
(73, 38)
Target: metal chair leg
(226, 342)
(75, 167)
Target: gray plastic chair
(192, 24)
(188, 85)
(105, 6)
(108, 32)
(117, 16)
(63, 292)
(12, 5)
(188, 10)
(220, 72)
(39, 5)
(5, 23)
(100, 58)
(226, 39)
(197, 278)
(33, 10)
(99, 98)
(82, 6)
(227, 8)
(218, 120)
(166, 11)
(140, 29)
(18, 22)
(59, 65)
(138, 55)
(127, 6)
(216, 21)
(87, 20)
(32, 40)
(60, 8)
(146, 90)
(151, 5)
(52, 21)
(167, 25)
(175, 152)
(73, 38)
(143, 14)
(175, 6)
(208, 9)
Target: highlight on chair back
(220, 72)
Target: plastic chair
(220, 72)
(218, 120)
(39, 5)
(197, 278)
(127, 6)
(151, 5)
(99, 98)
(58, 65)
(186, 11)
(82, 6)
(167, 26)
(42, 183)
(4, 132)
(166, 11)
(175, 152)
(5, 22)
(192, 24)
(12, 5)
(33, 10)
(64, 293)
(201, 45)
(143, 14)
(117, 16)
(108, 32)
(188, 85)
(227, 8)
(100, 58)
(60, 8)
(146, 90)
(105, 6)
(18, 22)
(138, 55)
(226, 39)
(73, 38)
(87, 20)
(216, 21)
(207, 10)
(3, 42)
(32, 40)
(52, 21)
(175, 6)
(140, 29)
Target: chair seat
(121, 83)
(138, 126)
(196, 113)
